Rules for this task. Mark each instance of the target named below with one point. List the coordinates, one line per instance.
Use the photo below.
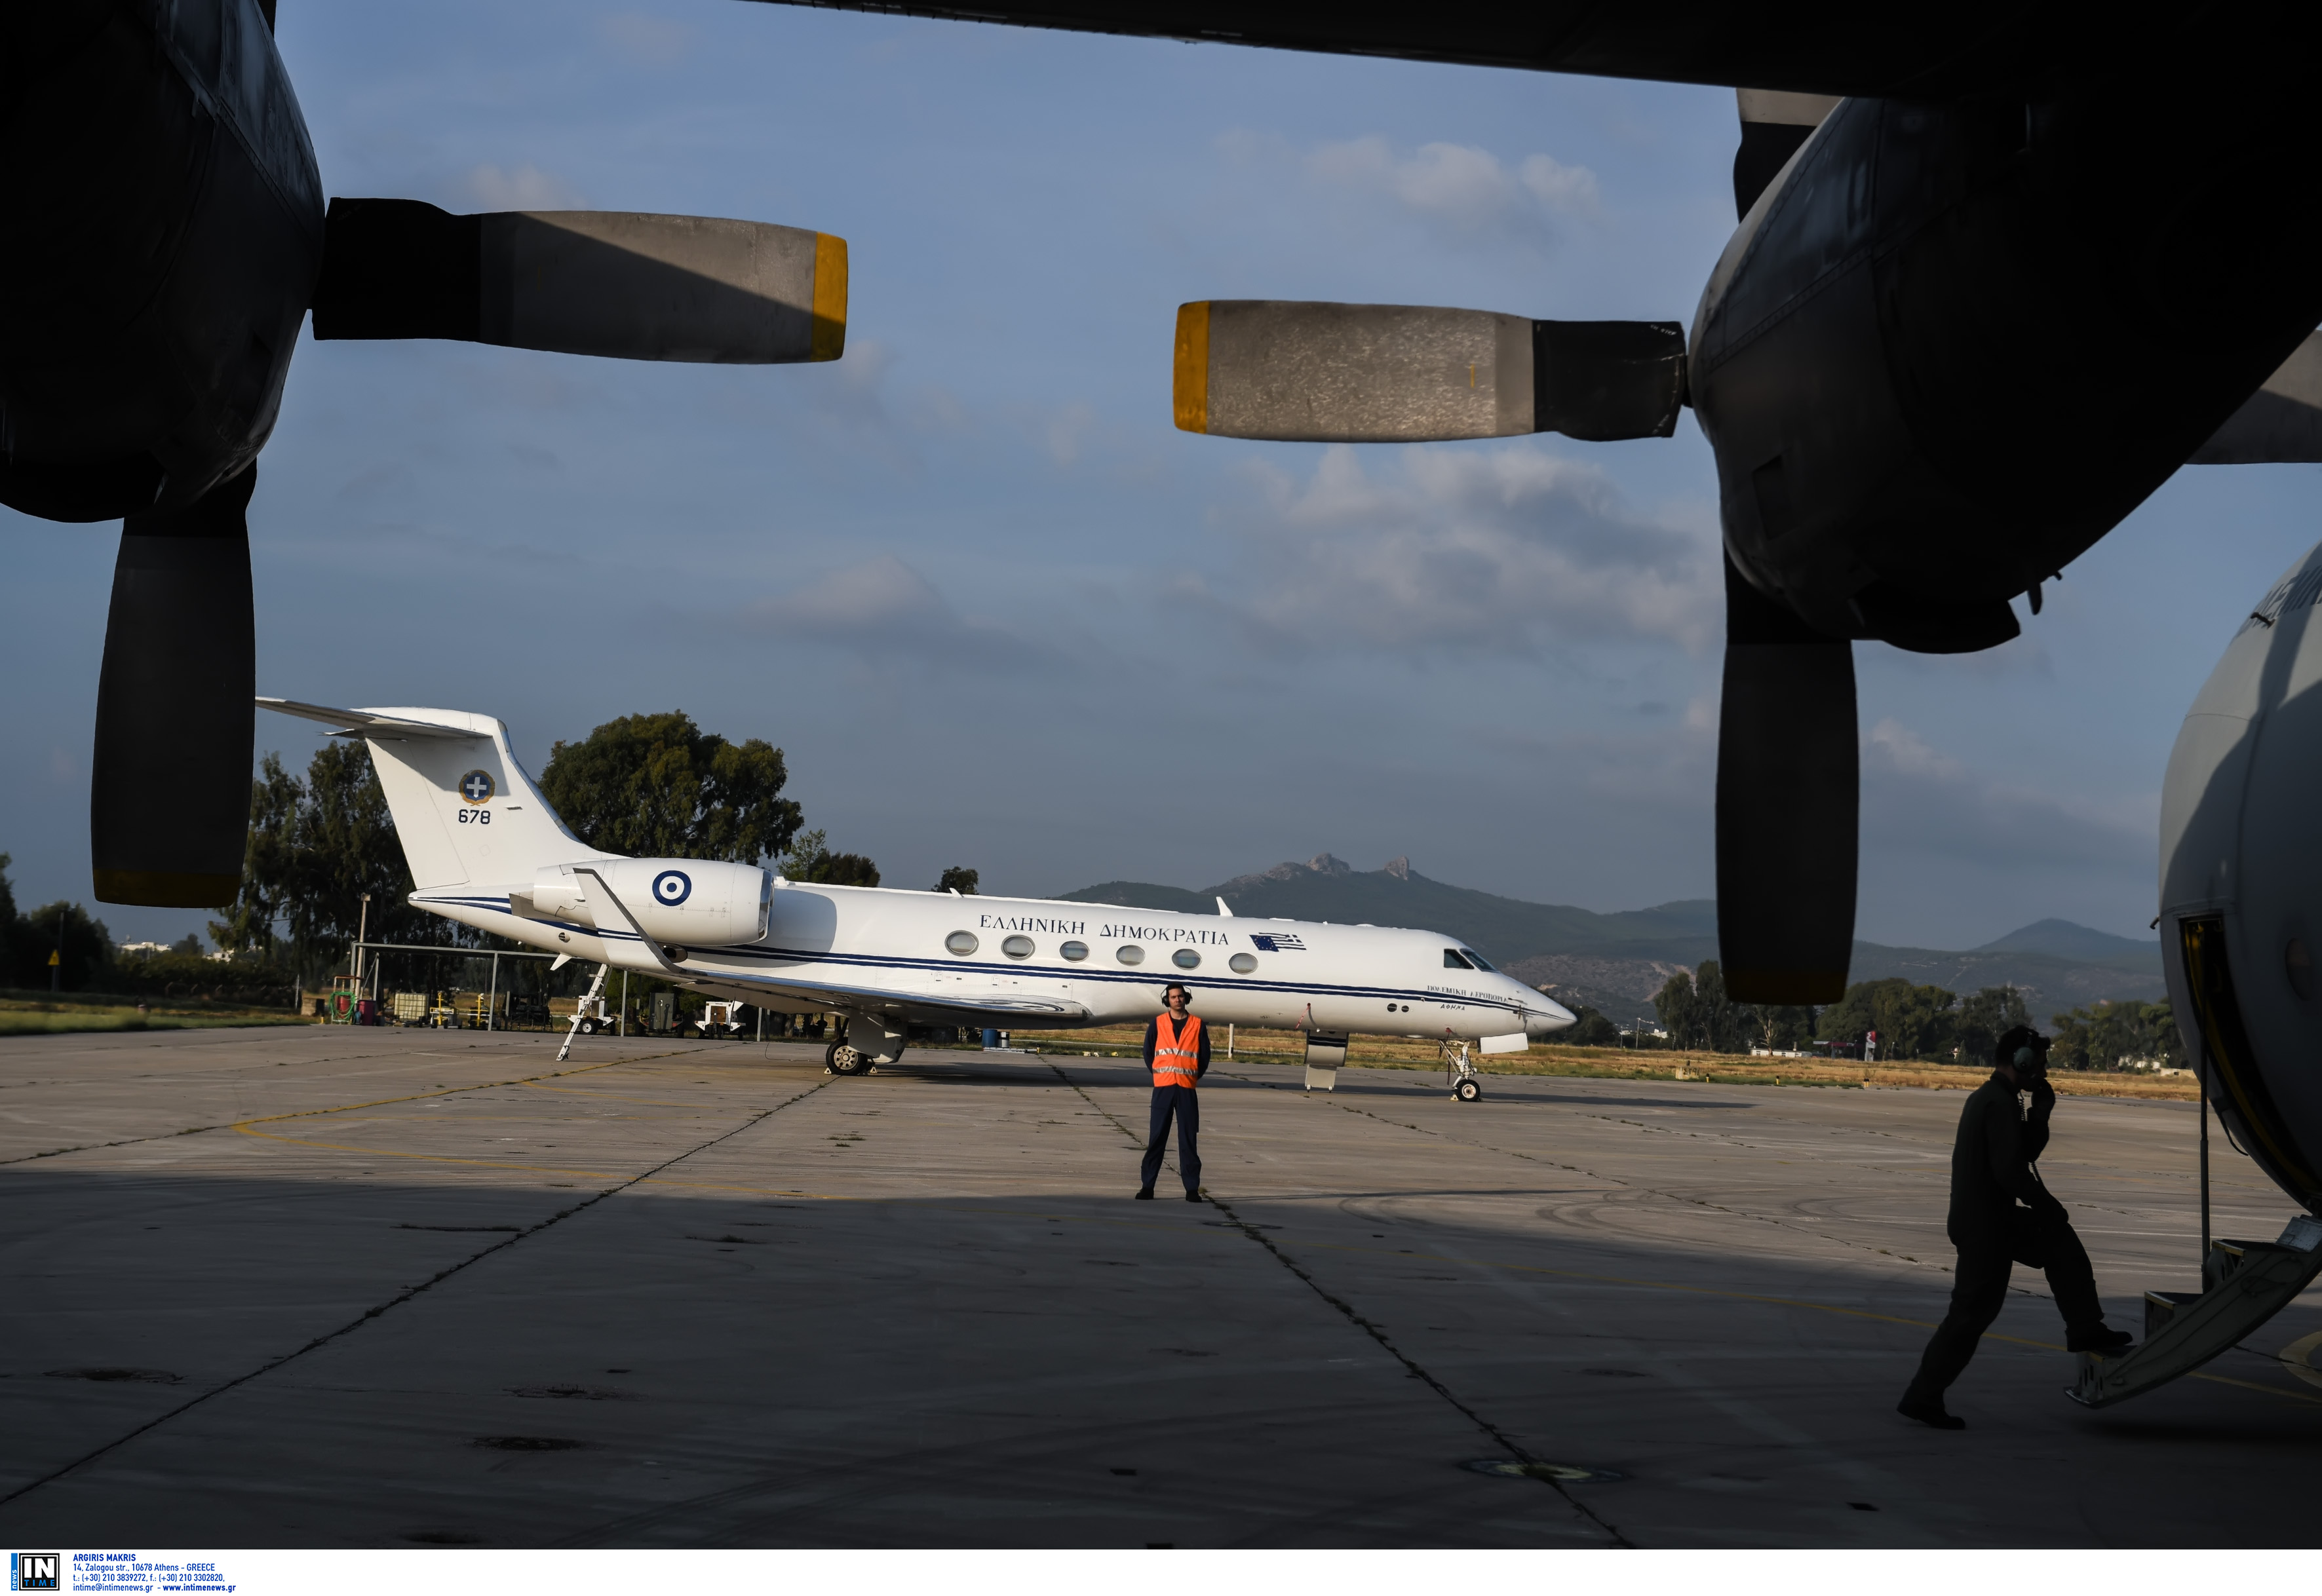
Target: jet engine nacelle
(2240, 883)
(680, 902)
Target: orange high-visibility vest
(1174, 1056)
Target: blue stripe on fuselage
(745, 952)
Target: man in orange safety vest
(1177, 1048)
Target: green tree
(1912, 1022)
(2113, 1036)
(1696, 1012)
(1781, 1028)
(810, 859)
(1589, 1029)
(316, 847)
(958, 879)
(1984, 1016)
(10, 930)
(657, 786)
(275, 797)
(82, 940)
(1674, 1006)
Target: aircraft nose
(1544, 1016)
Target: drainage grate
(1615, 1373)
(1559, 1474)
(144, 1376)
(574, 1393)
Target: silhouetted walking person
(2001, 1216)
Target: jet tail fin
(465, 811)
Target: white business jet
(486, 850)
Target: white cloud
(1457, 183)
(1897, 748)
(1504, 550)
(522, 189)
(1918, 799)
(884, 609)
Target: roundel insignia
(477, 787)
(672, 888)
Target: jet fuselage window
(1452, 960)
(961, 943)
(1075, 950)
(1186, 958)
(1128, 953)
(1475, 958)
(1243, 964)
(1016, 947)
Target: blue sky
(996, 609)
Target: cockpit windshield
(1475, 958)
(1452, 960)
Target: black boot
(1930, 1413)
(2097, 1339)
(1145, 1194)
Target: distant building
(142, 950)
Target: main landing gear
(839, 1059)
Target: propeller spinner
(171, 782)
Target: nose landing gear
(1466, 1086)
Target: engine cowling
(680, 902)
(2240, 883)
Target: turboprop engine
(679, 902)
(2240, 883)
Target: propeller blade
(622, 284)
(1788, 803)
(1316, 373)
(169, 803)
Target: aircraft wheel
(587, 1028)
(1467, 1091)
(842, 1060)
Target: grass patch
(21, 1016)
(1252, 1045)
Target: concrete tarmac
(337, 1286)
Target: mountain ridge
(1614, 962)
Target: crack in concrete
(1354, 1317)
(1676, 1196)
(407, 1292)
(449, 1092)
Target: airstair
(2243, 1283)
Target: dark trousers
(1185, 1104)
(2045, 1240)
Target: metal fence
(401, 983)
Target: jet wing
(1911, 51)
